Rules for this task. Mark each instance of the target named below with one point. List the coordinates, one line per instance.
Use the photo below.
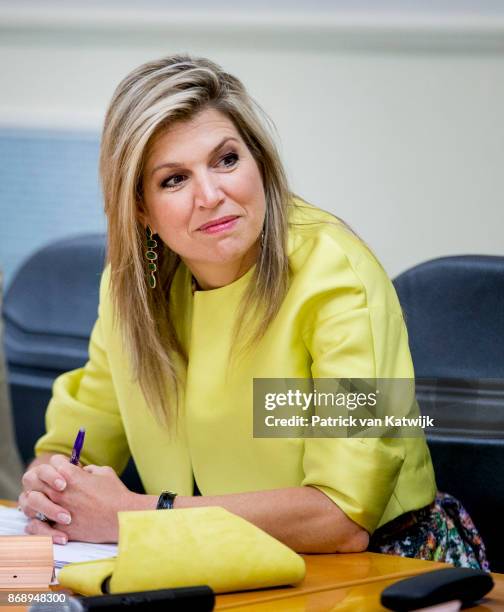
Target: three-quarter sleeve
(86, 398)
(357, 332)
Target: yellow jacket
(340, 318)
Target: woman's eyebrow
(178, 164)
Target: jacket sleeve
(366, 338)
(86, 398)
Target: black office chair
(454, 311)
(49, 311)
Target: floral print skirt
(443, 531)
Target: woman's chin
(228, 253)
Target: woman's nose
(208, 193)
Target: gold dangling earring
(151, 257)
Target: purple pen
(77, 447)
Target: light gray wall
(388, 114)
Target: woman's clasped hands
(69, 502)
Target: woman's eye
(172, 181)
(229, 160)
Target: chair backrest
(52, 303)
(454, 312)
(454, 309)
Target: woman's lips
(227, 224)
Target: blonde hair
(148, 101)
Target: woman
(218, 275)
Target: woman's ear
(144, 220)
(143, 216)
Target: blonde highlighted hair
(148, 101)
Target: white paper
(13, 522)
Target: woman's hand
(91, 498)
(40, 483)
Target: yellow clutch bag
(187, 547)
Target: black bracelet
(165, 501)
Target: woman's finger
(37, 478)
(36, 501)
(30, 512)
(50, 476)
(24, 506)
(42, 528)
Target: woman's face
(204, 195)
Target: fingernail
(60, 540)
(60, 484)
(66, 519)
